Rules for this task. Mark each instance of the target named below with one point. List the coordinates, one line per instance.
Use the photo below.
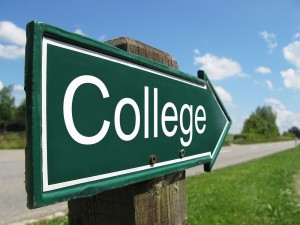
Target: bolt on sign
(101, 118)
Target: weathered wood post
(156, 201)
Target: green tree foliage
(6, 106)
(266, 113)
(20, 114)
(255, 125)
(262, 123)
(288, 134)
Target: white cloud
(259, 83)
(1, 85)
(102, 38)
(79, 31)
(270, 39)
(291, 78)
(285, 119)
(276, 102)
(9, 32)
(225, 96)
(19, 87)
(269, 84)
(196, 51)
(292, 53)
(11, 51)
(296, 36)
(16, 36)
(19, 95)
(237, 124)
(263, 70)
(218, 68)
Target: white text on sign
(195, 117)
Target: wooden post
(159, 201)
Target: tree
(6, 106)
(20, 114)
(266, 113)
(262, 122)
(255, 125)
(295, 130)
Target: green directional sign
(100, 118)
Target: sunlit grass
(258, 192)
(13, 140)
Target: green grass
(13, 140)
(62, 220)
(258, 192)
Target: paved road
(12, 166)
(12, 190)
(236, 154)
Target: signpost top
(100, 118)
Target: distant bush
(13, 140)
(246, 138)
(228, 140)
(252, 139)
(12, 117)
(261, 124)
(288, 134)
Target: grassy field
(252, 139)
(259, 192)
(263, 191)
(63, 220)
(13, 140)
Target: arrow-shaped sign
(100, 118)
(222, 124)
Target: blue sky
(249, 49)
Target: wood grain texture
(141, 49)
(160, 201)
